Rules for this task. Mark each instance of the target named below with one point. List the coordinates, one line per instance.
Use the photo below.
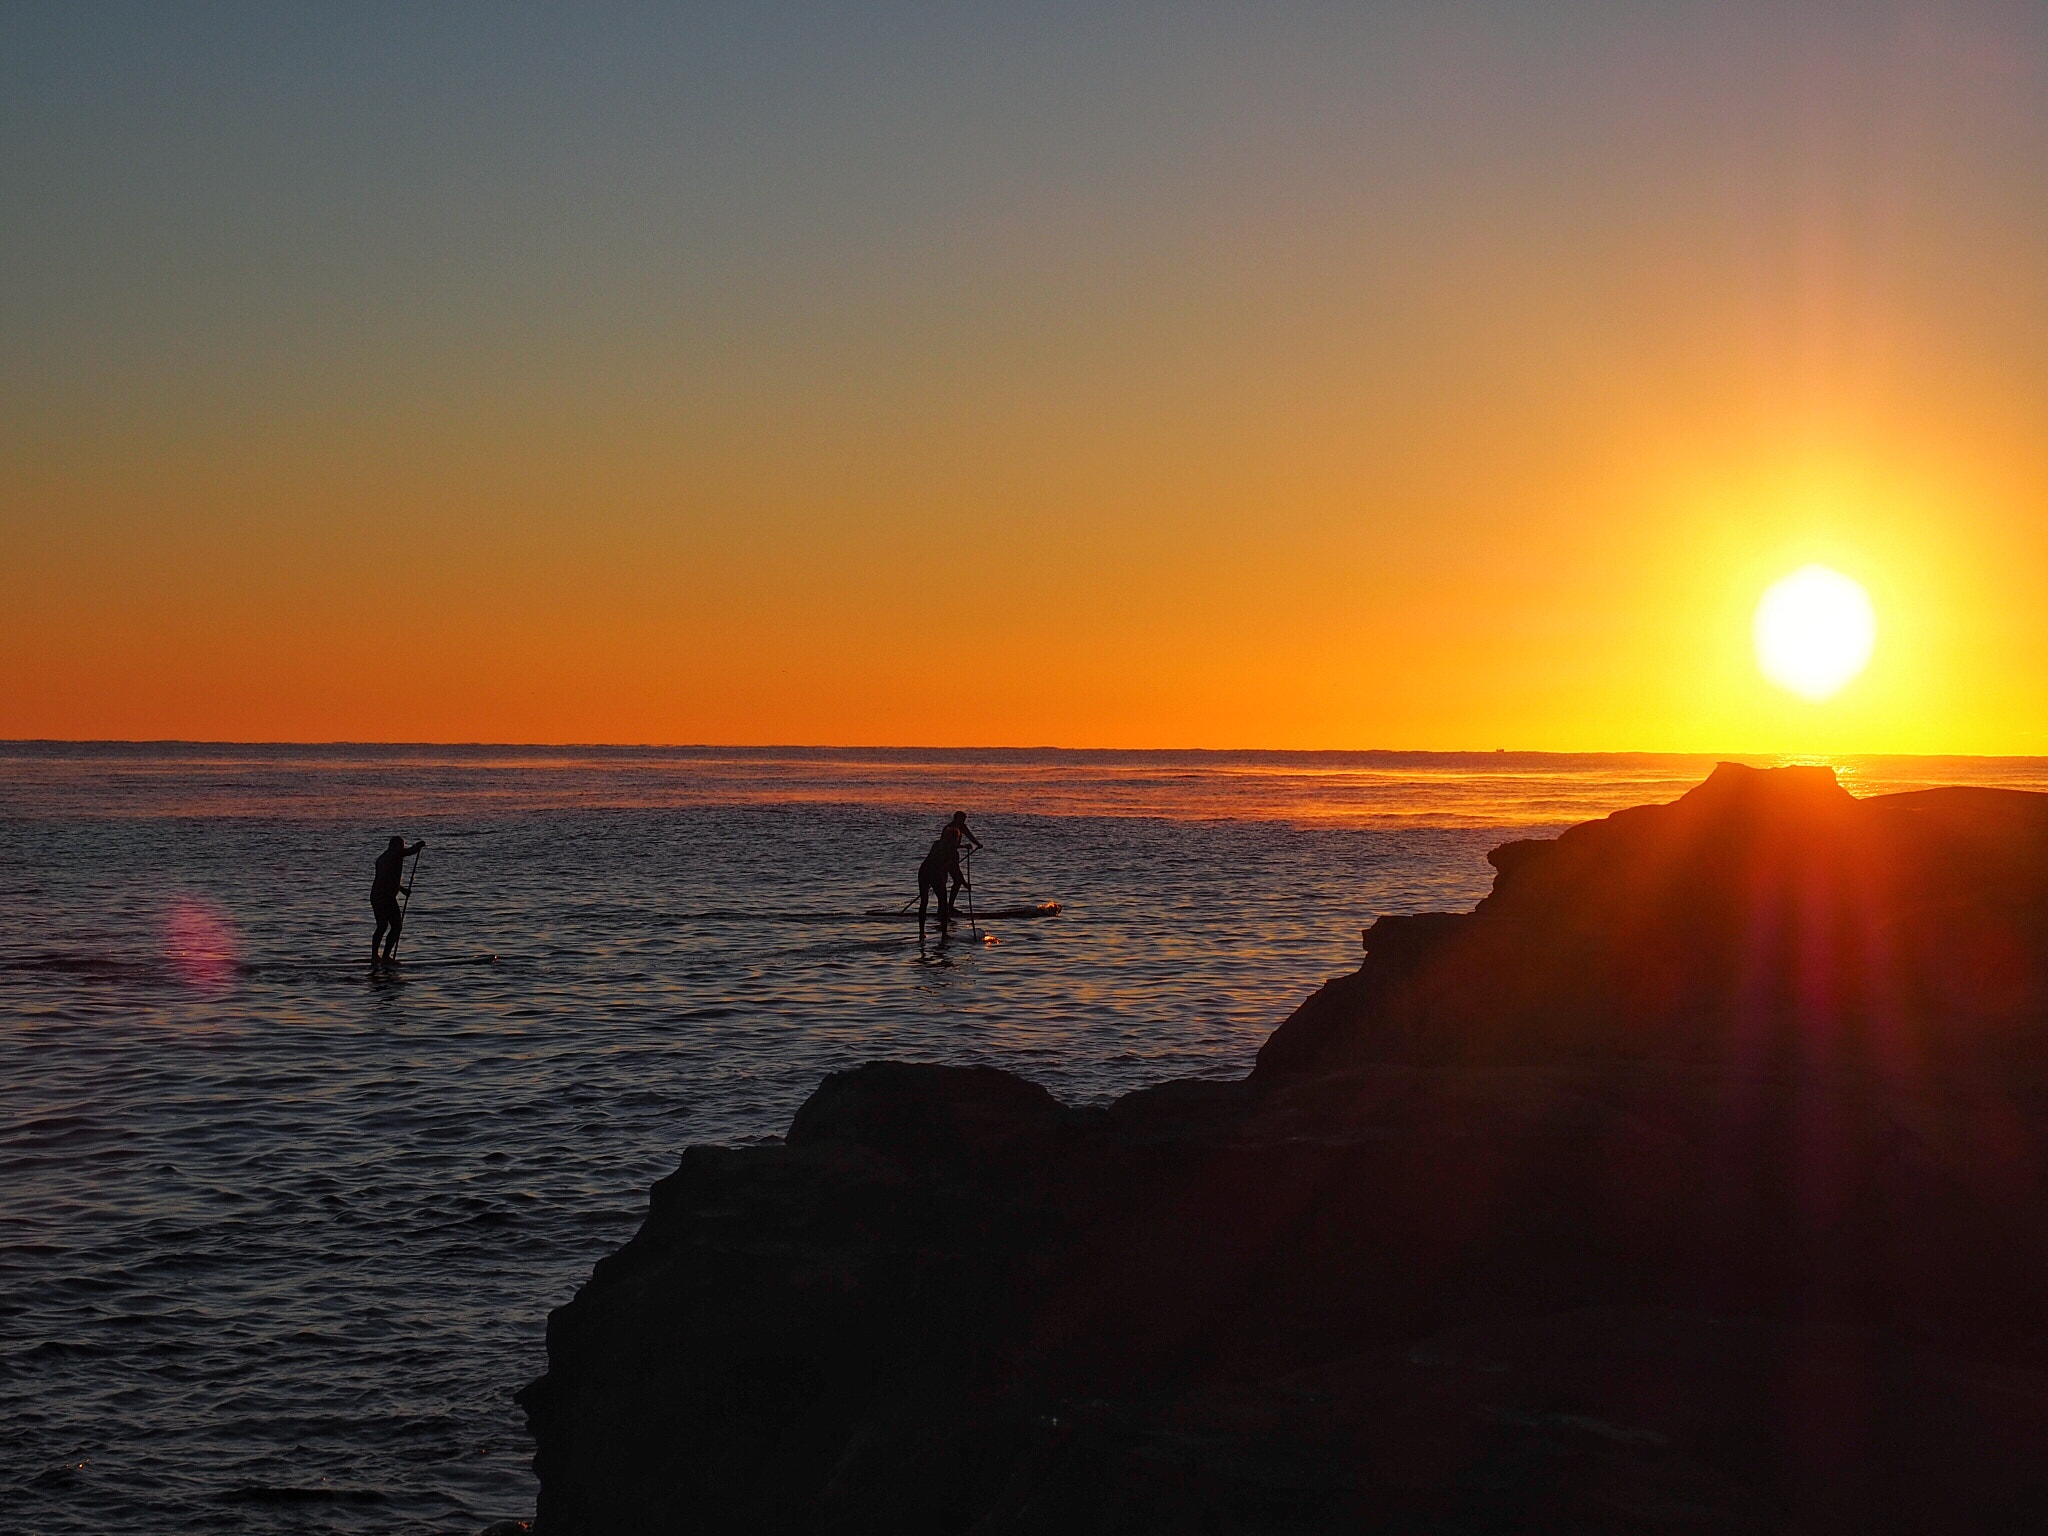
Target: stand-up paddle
(405, 900)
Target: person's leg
(928, 886)
(386, 937)
(391, 938)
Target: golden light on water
(1814, 632)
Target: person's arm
(416, 847)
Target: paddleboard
(437, 962)
(1043, 909)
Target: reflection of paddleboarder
(941, 870)
(384, 896)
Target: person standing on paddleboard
(941, 868)
(384, 896)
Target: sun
(1814, 632)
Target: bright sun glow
(1814, 631)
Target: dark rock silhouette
(1694, 1182)
(1766, 919)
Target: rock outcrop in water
(1694, 1182)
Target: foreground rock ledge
(1693, 1182)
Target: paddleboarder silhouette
(384, 890)
(940, 872)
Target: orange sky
(1303, 382)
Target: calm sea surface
(278, 1239)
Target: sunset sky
(1323, 376)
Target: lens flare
(200, 944)
(1814, 632)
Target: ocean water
(278, 1237)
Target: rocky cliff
(1692, 1182)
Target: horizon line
(1726, 755)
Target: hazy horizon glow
(1186, 376)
